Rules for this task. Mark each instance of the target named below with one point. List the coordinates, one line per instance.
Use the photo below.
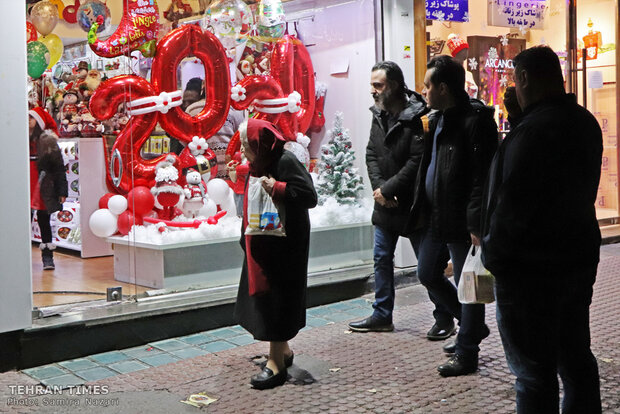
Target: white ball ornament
(103, 223)
(218, 190)
(117, 204)
(209, 209)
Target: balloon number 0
(127, 168)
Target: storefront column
(15, 267)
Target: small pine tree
(337, 177)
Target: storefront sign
(522, 14)
(447, 10)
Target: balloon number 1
(127, 168)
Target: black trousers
(43, 218)
(543, 320)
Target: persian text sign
(447, 10)
(521, 14)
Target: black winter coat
(280, 313)
(539, 203)
(393, 159)
(465, 147)
(51, 172)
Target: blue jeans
(543, 320)
(432, 260)
(385, 245)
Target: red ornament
(103, 201)
(126, 220)
(140, 200)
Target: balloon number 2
(127, 168)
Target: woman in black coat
(48, 182)
(271, 303)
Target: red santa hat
(456, 44)
(44, 119)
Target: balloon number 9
(127, 167)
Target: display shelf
(85, 168)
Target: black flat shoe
(288, 362)
(450, 347)
(267, 379)
(371, 324)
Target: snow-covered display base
(330, 214)
(210, 256)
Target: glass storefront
(108, 151)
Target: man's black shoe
(439, 333)
(371, 324)
(450, 347)
(458, 365)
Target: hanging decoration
(44, 16)
(137, 30)
(89, 12)
(38, 57)
(271, 23)
(54, 46)
(230, 21)
(69, 13)
(31, 33)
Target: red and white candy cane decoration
(158, 102)
(162, 103)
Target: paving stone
(170, 344)
(94, 374)
(109, 357)
(46, 371)
(78, 364)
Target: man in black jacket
(458, 151)
(392, 158)
(541, 240)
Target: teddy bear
(195, 191)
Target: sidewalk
(335, 370)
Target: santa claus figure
(169, 195)
(195, 191)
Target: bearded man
(393, 156)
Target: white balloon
(103, 223)
(209, 209)
(117, 204)
(218, 190)
(229, 205)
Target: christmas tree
(338, 178)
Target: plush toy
(169, 195)
(90, 84)
(195, 191)
(81, 73)
(69, 114)
(178, 10)
(264, 63)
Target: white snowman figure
(194, 193)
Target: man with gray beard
(392, 158)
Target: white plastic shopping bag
(264, 217)
(476, 283)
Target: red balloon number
(127, 168)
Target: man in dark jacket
(392, 158)
(541, 240)
(459, 149)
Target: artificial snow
(330, 214)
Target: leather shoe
(450, 347)
(371, 324)
(267, 379)
(439, 333)
(458, 365)
(288, 361)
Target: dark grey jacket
(393, 159)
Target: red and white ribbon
(291, 104)
(162, 103)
